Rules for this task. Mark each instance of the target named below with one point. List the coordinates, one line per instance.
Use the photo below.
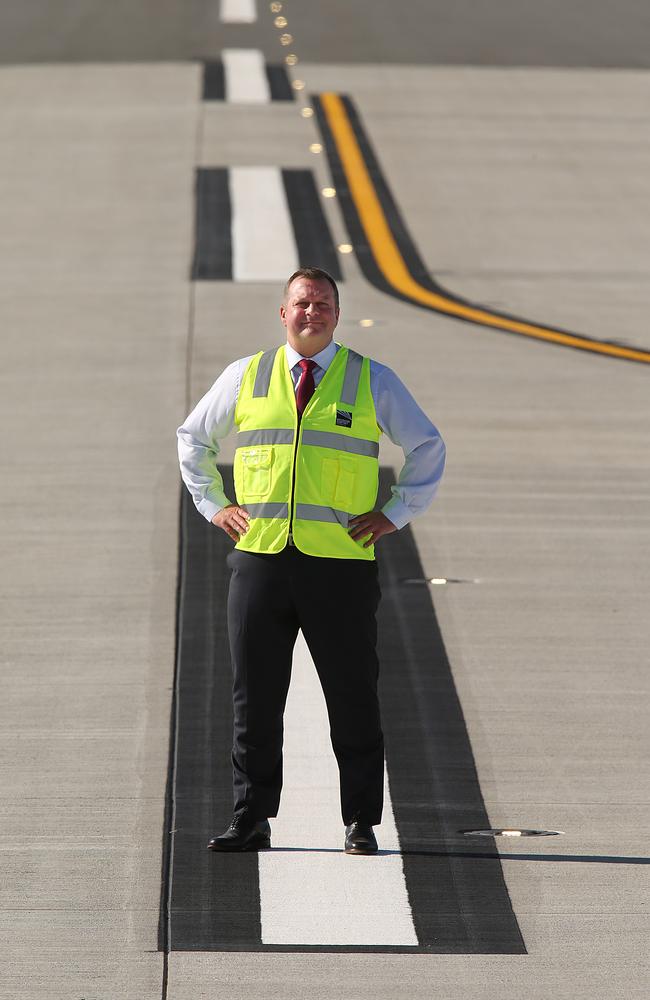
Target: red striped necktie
(305, 388)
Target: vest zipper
(293, 478)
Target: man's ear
(283, 314)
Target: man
(309, 416)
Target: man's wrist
(208, 508)
(396, 512)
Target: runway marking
(310, 892)
(251, 222)
(246, 81)
(458, 899)
(212, 230)
(264, 248)
(385, 250)
(238, 11)
(216, 87)
(310, 227)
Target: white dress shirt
(398, 415)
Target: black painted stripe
(364, 254)
(214, 80)
(213, 899)
(312, 233)
(279, 83)
(458, 896)
(212, 230)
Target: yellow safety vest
(302, 484)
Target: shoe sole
(360, 850)
(254, 845)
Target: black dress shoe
(359, 839)
(243, 834)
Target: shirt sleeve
(211, 420)
(408, 427)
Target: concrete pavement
(545, 500)
(418, 32)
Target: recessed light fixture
(307, 112)
(328, 192)
(286, 39)
(512, 832)
(345, 248)
(280, 22)
(366, 322)
(315, 148)
(291, 60)
(276, 7)
(298, 85)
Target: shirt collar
(323, 359)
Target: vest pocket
(337, 482)
(256, 471)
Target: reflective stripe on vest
(264, 372)
(329, 439)
(314, 512)
(309, 479)
(271, 510)
(351, 380)
(267, 435)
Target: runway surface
(585, 33)
(478, 180)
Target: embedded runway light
(345, 247)
(436, 581)
(298, 85)
(291, 60)
(366, 322)
(328, 192)
(276, 7)
(509, 832)
(307, 112)
(315, 148)
(286, 39)
(280, 22)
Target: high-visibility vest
(302, 482)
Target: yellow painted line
(390, 262)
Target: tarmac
(524, 185)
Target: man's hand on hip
(233, 520)
(374, 523)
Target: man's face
(309, 315)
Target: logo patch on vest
(343, 418)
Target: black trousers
(334, 603)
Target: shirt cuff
(208, 508)
(397, 512)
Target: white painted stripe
(264, 247)
(245, 76)
(238, 11)
(310, 891)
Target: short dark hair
(316, 274)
